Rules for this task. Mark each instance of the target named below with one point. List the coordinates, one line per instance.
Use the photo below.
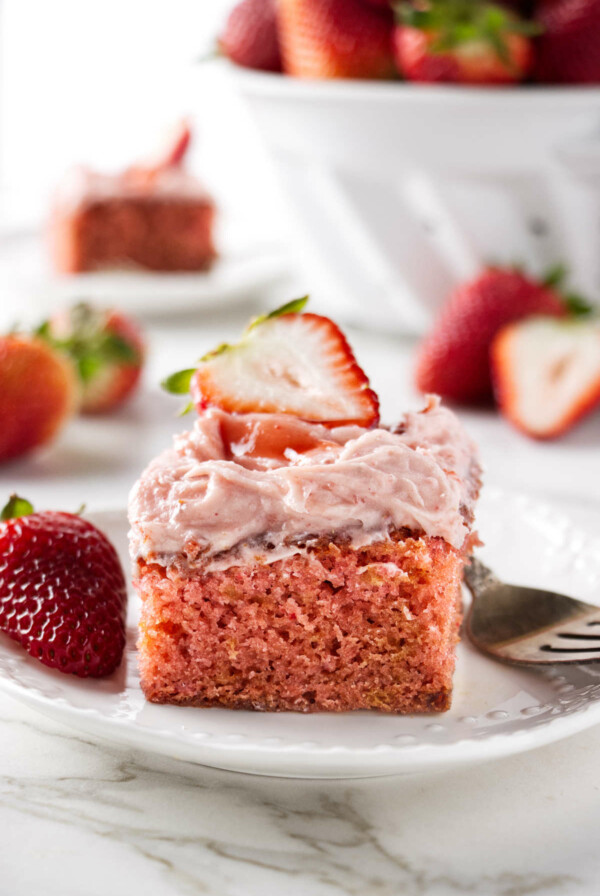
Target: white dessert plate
(244, 269)
(497, 710)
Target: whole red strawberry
(107, 349)
(38, 394)
(62, 590)
(461, 42)
(453, 360)
(568, 49)
(336, 39)
(250, 36)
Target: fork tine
(570, 654)
(575, 636)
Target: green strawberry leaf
(186, 409)
(16, 507)
(214, 352)
(114, 348)
(179, 383)
(294, 307)
(577, 305)
(457, 22)
(556, 276)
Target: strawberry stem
(577, 305)
(179, 383)
(15, 508)
(555, 276)
(89, 345)
(296, 306)
(457, 22)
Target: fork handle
(478, 576)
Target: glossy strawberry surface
(336, 39)
(250, 37)
(62, 592)
(453, 360)
(568, 49)
(38, 394)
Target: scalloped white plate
(245, 269)
(497, 710)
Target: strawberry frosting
(82, 187)
(217, 503)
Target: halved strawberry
(462, 42)
(288, 363)
(547, 373)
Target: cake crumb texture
(152, 233)
(329, 628)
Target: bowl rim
(277, 85)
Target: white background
(96, 82)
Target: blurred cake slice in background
(155, 215)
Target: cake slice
(302, 564)
(155, 215)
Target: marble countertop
(79, 816)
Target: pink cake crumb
(331, 627)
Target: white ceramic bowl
(403, 190)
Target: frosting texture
(214, 500)
(82, 187)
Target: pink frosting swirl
(210, 499)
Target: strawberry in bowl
(62, 590)
(567, 48)
(461, 42)
(250, 37)
(336, 39)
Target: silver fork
(528, 625)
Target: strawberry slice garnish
(287, 363)
(462, 42)
(62, 590)
(547, 373)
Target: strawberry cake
(155, 215)
(290, 552)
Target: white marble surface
(81, 817)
